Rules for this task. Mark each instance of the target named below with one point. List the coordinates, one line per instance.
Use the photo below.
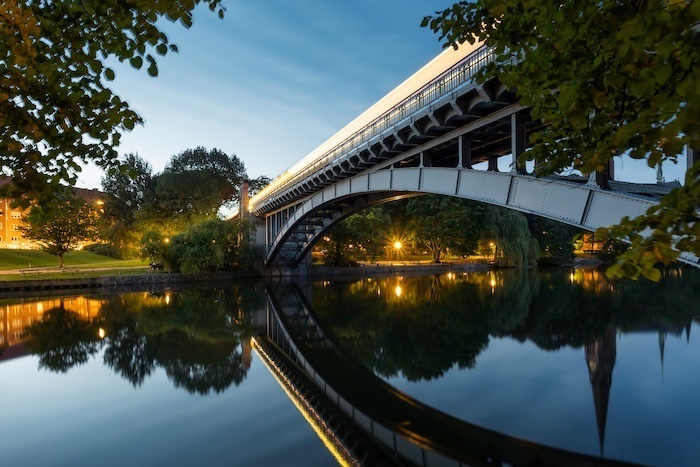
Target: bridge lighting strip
(330, 440)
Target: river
(560, 358)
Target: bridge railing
(460, 73)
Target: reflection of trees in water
(198, 365)
(63, 339)
(129, 353)
(410, 332)
(434, 324)
(195, 335)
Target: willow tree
(56, 109)
(606, 77)
(515, 245)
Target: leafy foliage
(515, 246)
(127, 191)
(443, 222)
(56, 109)
(555, 240)
(193, 187)
(226, 172)
(606, 78)
(210, 246)
(61, 225)
(362, 235)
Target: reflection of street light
(102, 333)
(398, 290)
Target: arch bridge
(439, 132)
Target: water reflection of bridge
(407, 430)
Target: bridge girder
(576, 203)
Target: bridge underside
(293, 232)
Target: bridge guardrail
(457, 75)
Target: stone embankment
(129, 280)
(118, 281)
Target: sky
(274, 79)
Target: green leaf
(136, 62)
(109, 74)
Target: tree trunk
(60, 261)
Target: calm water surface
(567, 359)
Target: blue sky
(274, 79)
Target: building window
(16, 215)
(15, 239)
(15, 227)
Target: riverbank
(168, 278)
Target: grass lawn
(20, 259)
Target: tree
(193, 187)
(555, 240)
(515, 246)
(606, 78)
(179, 200)
(228, 172)
(257, 184)
(126, 191)
(56, 109)
(61, 225)
(206, 247)
(361, 235)
(443, 222)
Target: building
(11, 218)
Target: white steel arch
(583, 205)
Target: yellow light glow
(493, 283)
(398, 291)
(166, 240)
(102, 333)
(167, 299)
(398, 245)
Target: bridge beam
(576, 203)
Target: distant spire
(600, 357)
(662, 345)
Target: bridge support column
(425, 159)
(493, 164)
(517, 130)
(465, 153)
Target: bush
(213, 245)
(105, 249)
